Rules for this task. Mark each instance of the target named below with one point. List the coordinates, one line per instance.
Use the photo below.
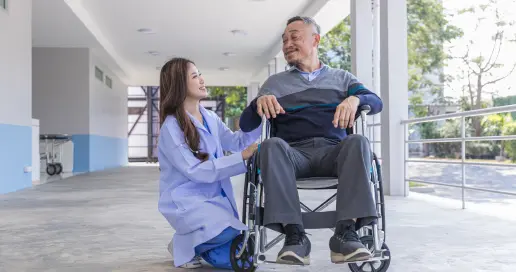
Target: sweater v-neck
(305, 80)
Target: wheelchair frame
(254, 240)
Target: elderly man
(311, 141)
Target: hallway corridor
(108, 221)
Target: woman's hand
(249, 151)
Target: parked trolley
(53, 152)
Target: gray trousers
(349, 160)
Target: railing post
(406, 184)
(463, 151)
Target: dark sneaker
(346, 246)
(297, 247)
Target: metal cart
(52, 158)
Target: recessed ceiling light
(224, 68)
(229, 54)
(146, 31)
(238, 32)
(153, 53)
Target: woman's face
(195, 82)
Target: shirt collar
(294, 68)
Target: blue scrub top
(214, 154)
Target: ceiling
(197, 29)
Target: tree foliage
(428, 29)
(236, 98)
(481, 68)
(335, 46)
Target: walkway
(109, 222)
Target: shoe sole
(292, 258)
(192, 265)
(360, 254)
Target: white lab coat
(190, 191)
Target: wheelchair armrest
(364, 108)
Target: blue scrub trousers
(216, 251)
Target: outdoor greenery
(236, 98)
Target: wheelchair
(248, 248)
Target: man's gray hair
(306, 20)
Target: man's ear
(317, 38)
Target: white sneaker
(194, 263)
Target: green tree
(481, 68)
(236, 98)
(428, 29)
(335, 46)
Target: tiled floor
(108, 221)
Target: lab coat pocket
(185, 200)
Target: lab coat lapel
(209, 140)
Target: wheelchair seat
(317, 183)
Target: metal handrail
(470, 113)
(463, 139)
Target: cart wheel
(51, 169)
(59, 168)
(378, 266)
(245, 263)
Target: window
(109, 82)
(3, 4)
(98, 73)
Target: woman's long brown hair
(173, 89)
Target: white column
(36, 162)
(252, 91)
(272, 67)
(362, 43)
(376, 129)
(280, 64)
(394, 80)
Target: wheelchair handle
(265, 129)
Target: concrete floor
(108, 221)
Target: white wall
(61, 90)
(108, 106)
(15, 63)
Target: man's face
(299, 42)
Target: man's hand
(345, 113)
(269, 106)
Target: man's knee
(273, 145)
(356, 139)
(273, 151)
(355, 145)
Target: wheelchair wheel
(51, 169)
(245, 262)
(59, 168)
(376, 266)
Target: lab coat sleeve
(238, 140)
(179, 155)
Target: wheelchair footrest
(374, 259)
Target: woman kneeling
(196, 195)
